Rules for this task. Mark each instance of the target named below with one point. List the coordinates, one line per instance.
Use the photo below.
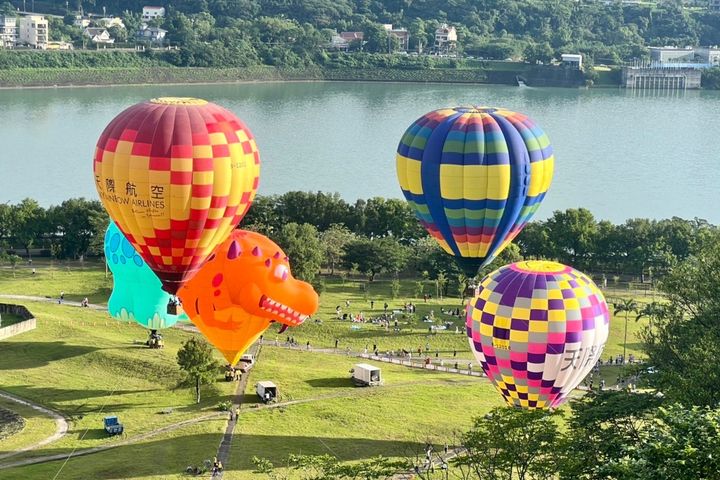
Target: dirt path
(61, 425)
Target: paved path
(223, 453)
(61, 425)
(32, 298)
(128, 441)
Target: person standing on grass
(372, 304)
(336, 343)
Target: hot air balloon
(474, 177)
(176, 175)
(245, 285)
(537, 328)
(137, 293)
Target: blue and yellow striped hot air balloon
(474, 176)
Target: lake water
(621, 154)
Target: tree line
(294, 33)
(380, 236)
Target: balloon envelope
(176, 175)
(537, 329)
(474, 177)
(245, 285)
(137, 292)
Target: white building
(572, 60)
(109, 22)
(33, 31)
(445, 39)
(81, 22)
(98, 35)
(151, 13)
(709, 55)
(8, 31)
(672, 54)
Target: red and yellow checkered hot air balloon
(176, 175)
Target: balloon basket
(174, 309)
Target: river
(620, 154)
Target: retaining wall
(28, 323)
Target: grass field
(86, 365)
(36, 427)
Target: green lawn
(37, 427)
(9, 319)
(77, 280)
(87, 365)
(163, 457)
(413, 406)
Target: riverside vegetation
(240, 34)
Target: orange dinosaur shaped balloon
(244, 286)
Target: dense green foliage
(295, 33)
(382, 236)
(684, 337)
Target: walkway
(223, 453)
(61, 425)
(128, 441)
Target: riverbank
(51, 77)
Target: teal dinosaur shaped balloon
(137, 292)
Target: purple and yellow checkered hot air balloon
(537, 328)
(474, 176)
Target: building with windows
(572, 60)
(151, 13)
(714, 5)
(33, 31)
(8, 31)
(151, 34)
(445, 39)
(402, 35)
(688, 57)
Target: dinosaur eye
(281, 272)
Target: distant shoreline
(104, 77)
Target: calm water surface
(620, 154)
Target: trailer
(365, 375)
(112, 425)
(267, 391)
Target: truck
(113, 425)
(365, 375)
(267, 391)
(245, 363)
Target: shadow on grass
(25, 355)
(172, 455)
(333, 382)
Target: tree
(626, 306)
(376, 256)
(13, 260)
(683, 340)
(334, 240)
(441, 281)
(29, 223)
(510, 443)
(195, 357)
(602, 428)
(573, 232)
(76, 223)
(302, 245)
(395, 288)
(119, 33)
